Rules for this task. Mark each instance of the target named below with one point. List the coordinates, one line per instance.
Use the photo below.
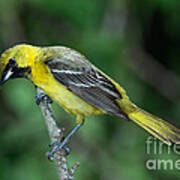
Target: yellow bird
(79, 87)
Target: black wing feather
(88, 83)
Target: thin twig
(56, 134)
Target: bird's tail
(161, 129)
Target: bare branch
(56, 134)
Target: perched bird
(79, 87)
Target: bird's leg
(60, 145)
(56, 143)
(41, 97)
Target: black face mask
(12, 71)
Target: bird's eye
(12, 61)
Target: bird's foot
(56, 147)
(63, 144)
(42, 97)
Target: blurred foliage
(107, 32)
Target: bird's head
(17, 61)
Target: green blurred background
(134, 41)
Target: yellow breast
(42, 78)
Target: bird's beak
(6, 76)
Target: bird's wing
(87, 82)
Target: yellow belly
(63, 96)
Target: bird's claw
(41, 97)
(56, 147)
(50, 156)
(63, 144)
(53, 143)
